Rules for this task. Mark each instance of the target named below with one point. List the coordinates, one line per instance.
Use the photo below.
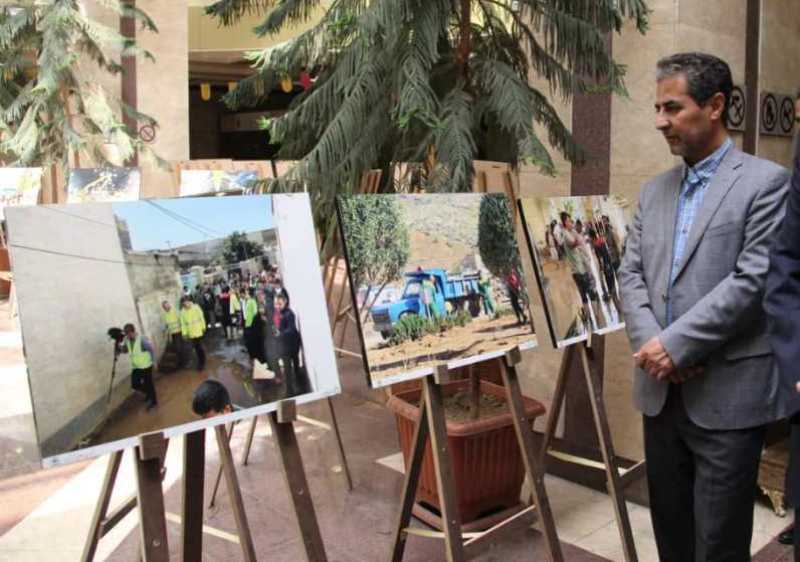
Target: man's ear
(717, 103)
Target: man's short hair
(128, 328)
(210, 396)
(706, 76)
(564, 216)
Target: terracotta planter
(5, 286)
(487, 465)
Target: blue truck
(451, 293)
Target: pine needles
(49, 107)
(392, 86)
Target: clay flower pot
(487, 465)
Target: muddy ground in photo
(226, 361)
(482, 335)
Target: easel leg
(92, 540)
(410, 482)
(194, 459)
(218, 478)
(235, 494)
(249, 443)
(445, 483)
(340, 446)
(148, 461)
(295, 478)
(557, 403)
(615, 489)
(524, 432)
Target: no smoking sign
(776, 115)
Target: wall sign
(737, 109)
(777, 114)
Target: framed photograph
(577, 245)
(19, 186)
(436, 279)
(207, 182)
(109, 184)
(167, 315)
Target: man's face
(214, 413)
(165, 306)
(130, 334)
(686, 126)
(186, 304)
(568, 224)
(280, 303)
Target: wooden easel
(431, 423)
(249, 443)
(282, 425)
(617, 478)
(149, 459)
(334, 427)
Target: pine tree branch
(229, 12)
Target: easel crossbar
(590, 463)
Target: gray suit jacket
(716, 296)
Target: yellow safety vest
(171, 321)
(139, 359)
(193, 323)
(250, 311)
(235, 305)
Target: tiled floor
(45, 515)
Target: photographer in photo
(142, 356)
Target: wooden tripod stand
(149, 460)
(617, 478)
(249, 443)
(431, 423)
(282, 426)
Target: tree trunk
(367, 305)
(464, 43)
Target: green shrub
(461, 318)
(413, 327)
(409, 327)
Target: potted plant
(487, 466)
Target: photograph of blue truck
(435, 278)
(452, 292)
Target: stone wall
(154, 278)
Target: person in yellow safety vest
(142, 357)
(236, 310)
(172, 326)
(193, 326)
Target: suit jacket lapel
(724, 179)
(669, 205)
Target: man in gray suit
(692, 282)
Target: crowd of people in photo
(250, 308)
(593, 252)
